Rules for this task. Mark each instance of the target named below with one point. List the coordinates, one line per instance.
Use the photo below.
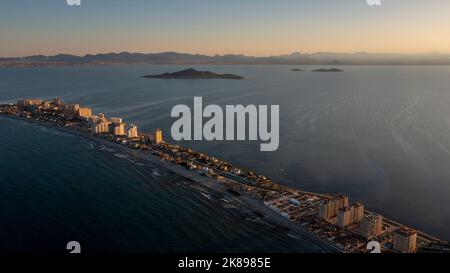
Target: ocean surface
(380, 134)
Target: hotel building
(71, 109)
(118, 129)
(101, 128)
(328, 211)
(100, 125)
(158, 136)
(85, 112)
(29, 102)
(405, 240)
(350, 215)
(132, 131)
(371, 226)
(77, 111)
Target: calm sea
(380, 134)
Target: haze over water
(380, 134)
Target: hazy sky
(251, 27)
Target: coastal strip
(329, 221)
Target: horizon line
(233, 54)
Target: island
(194, 74)
(328, 70)
(296, 70)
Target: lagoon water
(380, 134)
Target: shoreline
(298, 211)
(251, 204)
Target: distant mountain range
(320, 58)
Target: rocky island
(194, 74)
(296, 70)
(328, 70)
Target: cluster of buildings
(98, 124)
(75, 110)
(26, 103)
(294, 206)
(70, 110)
(337, 211)
(115, 126)
(350, 215)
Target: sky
(250, 27)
